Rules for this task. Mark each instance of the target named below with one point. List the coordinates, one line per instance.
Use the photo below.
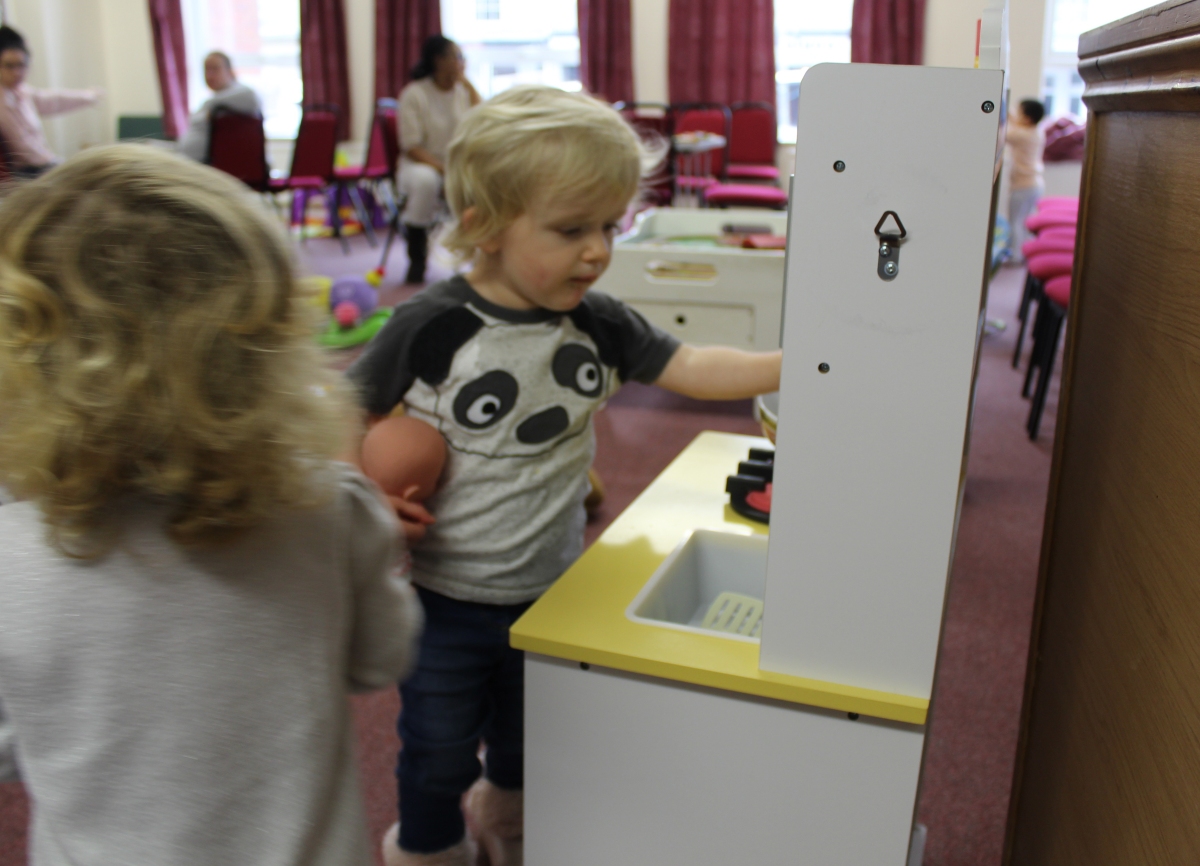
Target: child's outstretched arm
(720, 373)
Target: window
(1062, 88)
(262, 37)
(515, 42)
(806, 34)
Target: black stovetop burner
(750, 490)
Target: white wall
(950, 38)
(650, 50)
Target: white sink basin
(706, 564)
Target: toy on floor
(404, 456)
(357, 316)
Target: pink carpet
(968, 762)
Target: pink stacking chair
(1057, 232)
(1055, 243)
(376, 172)
(1052, 312)
(1050, 265)
(703, 117)
(1048, 218)
(745, 195)
(312, 166)
(752, 142)
(1044, 266)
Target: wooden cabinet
(1108, 767)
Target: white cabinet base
(637, 771)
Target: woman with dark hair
(431, 106)
(22, 108)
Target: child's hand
(414, 517)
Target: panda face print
(576, 366)
(518, 390)
(484, 401)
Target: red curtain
(606, 48)
(323, 64)
(166, 22)
(401, 26)
(888, 31)
(721, 51)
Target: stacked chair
(377, 174)
(312, 167)
(1050, 259)
(741, 174)
(752, 177)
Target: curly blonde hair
(154, 341)
(534, 140)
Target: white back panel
(870, 454)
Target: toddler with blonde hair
(510, 362)
(190, 584)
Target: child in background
(510, 363)
(189, 585)
(1025, 143)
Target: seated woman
(431, 107)
(22, 108)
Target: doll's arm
(720, 373)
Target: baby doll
(405, 456)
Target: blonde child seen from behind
(510, 362)
(190, 583)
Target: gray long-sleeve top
(188, 706)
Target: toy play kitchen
(702, 690)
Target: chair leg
(299, 211)
(361, 209)
(1027, 296)
(1056, 317)
(393, 230)
(335, 218)
(1037, 351)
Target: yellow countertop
(582, 617)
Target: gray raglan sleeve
(8, 743)
(383, 373)
(387, 614)
(642, 349)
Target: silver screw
(889, 268)
(884, 249)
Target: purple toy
(351, 299)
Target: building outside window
(1062, 88)
(509, 42)
(806, 34)
(262, 37)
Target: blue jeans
(1022, 203)
(469, 685)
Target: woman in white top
(431, 107)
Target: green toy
(337, 337)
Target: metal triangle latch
(889, 245)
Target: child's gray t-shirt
(188, 706)
(513, 393)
